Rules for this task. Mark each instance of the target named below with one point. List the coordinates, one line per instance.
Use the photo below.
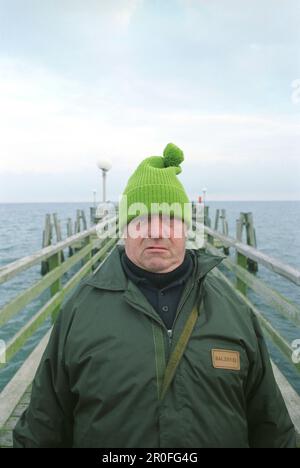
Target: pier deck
(90, 251)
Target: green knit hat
(155, 183)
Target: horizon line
(114, 201)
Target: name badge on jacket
(226, 359)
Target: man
(109, 376)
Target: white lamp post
(105, 166)
(95, 198)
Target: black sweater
(162, 290)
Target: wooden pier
(88, 252)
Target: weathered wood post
(88, 240)
(58, 233)
(77, 222)
(55, 262)
(93, 211)
(241, 260)
(193, 234)
(246, 220)
(224, 230)
(69, 234)
(47, 239)
(207, 222)
(77, 229)
(80, 216)
(198, 233)
(84, 223)
(217, 219)
(224, 222)
(251, 240)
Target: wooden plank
(291, 399)
(271, 263)
(15, 389)
(19, 410)
(285, 307)
(89, 255)
(54, 263)
(242, 263)
(16, 343)
(9, 271)
(268, 328)
(11, 423)
(6, 440)
(36, 321)
(30, 294)
(26, 398)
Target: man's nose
(156, 230)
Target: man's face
(156, 243)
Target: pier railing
(245, 280)
(89, 248)
(88, 252)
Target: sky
(82, 80)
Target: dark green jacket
(99, 380)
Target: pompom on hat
(155, 189)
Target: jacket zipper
(170, 335)
(157, 319)
(170, 332)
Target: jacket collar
(111, 276)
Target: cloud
(82, 80)
(51, 124)
(124, 12)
